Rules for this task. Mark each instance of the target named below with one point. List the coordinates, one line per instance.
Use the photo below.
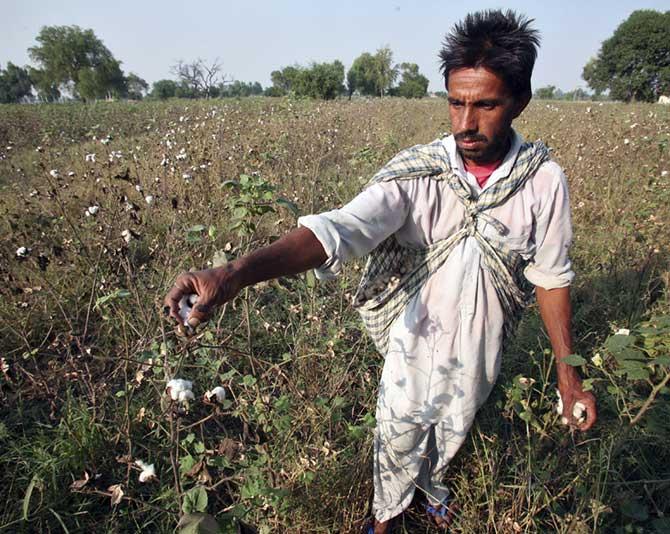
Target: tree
(15, 84)
(283, 80)
(137, 87)
(241, 89)
(163, 89)
(361, 76)
(104, 81)
(387, 73)
(64, 53)
(199, 78)
(320, 80)
(634, 64)
(545, 93)
(372, 74)
(412, 83)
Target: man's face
(481, 110)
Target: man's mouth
(469, 143)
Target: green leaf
(116, 294)
(618, 342)
(195, 500)
(573, 360)
(196, 228)
(291, 206)
(26, 497)
(310, 279)
(249, 380)
(198, 523)
(587, 384)
(635, 510)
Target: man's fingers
(182, 286)
(199, 314)
(591, 414)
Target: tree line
(633, 64)
(74, 62)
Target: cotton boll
(148, 471)
(22, 252)
(186, 306)
(218, 394)
(180, 383)
(149, 199)
(578, 412)
(185, 395)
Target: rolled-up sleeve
(551, 267)
(359, 226)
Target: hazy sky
(254, 37)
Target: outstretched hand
(212, 286)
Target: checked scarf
(394, 273)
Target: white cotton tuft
(148, 471)
(186, 306)
(218, 393)
(22, 252)
(149, 199)
(185, 395)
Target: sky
(252, 38)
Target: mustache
(470, 136)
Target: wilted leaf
(78, 484)
(117, 493)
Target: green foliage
(634, 64)
(137, 87)
(545, 93)
(241, 89)
(253, 198)
(373, 75)
(412, 84)
(15, 84)
(164, 89)
(76, 58)
(195, 500)
(319, 80)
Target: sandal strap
(442, 512)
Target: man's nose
(469, 121)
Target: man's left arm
(551, 273)
(556, 312)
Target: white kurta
(444, 351)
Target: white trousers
(410, 456)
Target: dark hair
(502, 42)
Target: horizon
(570, 37)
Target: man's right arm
(296, 252)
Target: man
(456, 230)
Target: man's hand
(556, 313)
(572, 394)
(213, 287)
